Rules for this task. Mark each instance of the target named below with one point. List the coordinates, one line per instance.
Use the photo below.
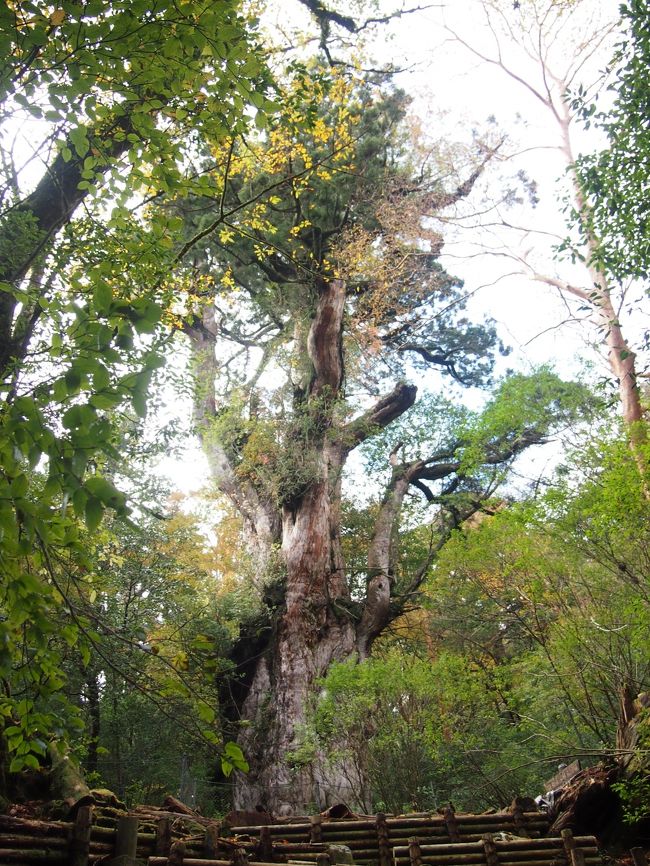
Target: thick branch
(261, 518)
(326, 16)
(443, 200)
(381, 605)
(445, 360)
(563, 286)
(386, 410)
(325, 340)
(49, 206)
(381, 556)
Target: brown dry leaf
(57, 17)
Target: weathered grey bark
(313, 630)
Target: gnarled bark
(313, 620)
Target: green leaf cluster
(615, 180)
(122, 92)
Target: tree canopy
(616, 178)
(117, 95)
(340, 616)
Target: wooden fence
(371, 840)
(28, 842)
(164, 839)
(492, 850)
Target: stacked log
(494, 850)
(170, 838)
(28, 842)
(370, 839)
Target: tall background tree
(305, 307)
(550, 51)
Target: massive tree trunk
(311, 619)
(314, 625)
(313, 630)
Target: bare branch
(563, 286)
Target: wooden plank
(177, 854)
(451, 823)
(211, 842)
(41, 855)
(199, 861)
(548, 842)
(549, 854)
(574, 855)
(490, 850)
(36, 826)
(238, 857)
(265, 848)
(474, 857)
(316, 829)
(126, 838)
(415, 854)
(435, 820)
(79, 848)
(383, 840)
(163, 840)
(17, 840)
(299, 847)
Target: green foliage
(319, 196)
(424, 731)
(635, 798)
(533, 617)
(156, 75)
(522, 409)
(268, 452)
(481, 445)
(56, 432)
(122, 92)
(634, 790)
(616, 178)
(19, 234)
(150, 608)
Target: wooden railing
(162, 839)
(371, 840)
(493, 850)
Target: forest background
(272, 214)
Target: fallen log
(171, 804)
(66, 779)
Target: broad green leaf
(93, 511)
